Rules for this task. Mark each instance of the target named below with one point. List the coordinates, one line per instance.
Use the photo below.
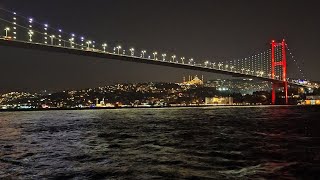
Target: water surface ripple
(280, 142)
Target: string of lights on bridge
(32, 31)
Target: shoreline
(141, 107)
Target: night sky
(203, 29)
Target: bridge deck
(100, 54)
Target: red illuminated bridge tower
(279, 60)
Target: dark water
(185, 143)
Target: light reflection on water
(217, 142)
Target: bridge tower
(279, 62)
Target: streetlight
(30, 35)
(182, 60)
(88, 43)
(213, 65)
(104, 46)
(71, 42)
(219, 65)
(52, 36)
(7, 29)
(191, 61)
(226, 67)
(46, 33)
(206, 63)
(30, 24)
(93, 45)
(132, 51)
(155, 55)
(14, 27)
(231, 68)
(173, 58)
(143, 52)
(118, 47)
(242, 69)
(164, 57)
(59, 37)
(82, 42)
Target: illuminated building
(193, 81)
(312, 100)
(219, 101)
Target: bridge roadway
(105, 55)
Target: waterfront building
(312, 100)
(219, 101)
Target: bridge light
(164, 57)
(155, 55)
(88, 43)
(182, 60)
(30, 33)
(206, 63)
(45, 33)
(6, 30)
(173, 58)
(191, 61)
(104, 47)
(143, 52)
(71, 42)
(52, 36)
(118, 47)
(132, 51)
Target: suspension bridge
(269, 65)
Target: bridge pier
(285, 90)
